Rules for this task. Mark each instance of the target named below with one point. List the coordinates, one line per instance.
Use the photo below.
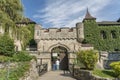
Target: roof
(88, 15)
(26, 21)
(108, 23)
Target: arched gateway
(59, 43)
(60, 53)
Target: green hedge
(17, 57)
(116, 68)
(6, 45)
(88, 58)
(92, 36)
(104, 73)
(21, 56)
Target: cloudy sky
(66, 13)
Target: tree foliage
(116, 68)
(118, 20)
(6, 46)
(26, 35)
(88, 58)
(10, 13)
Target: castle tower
(88, 16)
(80, 32)
(81, 27)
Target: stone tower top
(88, 16)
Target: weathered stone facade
(106, 58)
(75, 38)
(87, 75)
(32, 74)
(69, 38)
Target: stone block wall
(32, 74)
(54, 33)
(86, 75)
(108, 57)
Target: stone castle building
(60, 43)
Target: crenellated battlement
(55, 33)
(58, 33)
(64, 29)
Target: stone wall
(47, 45)
(108, 57)
(86, 75)
(32, 74)
(65, 37)
(55, 33)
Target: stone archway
(60, 53)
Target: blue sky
(66, 13)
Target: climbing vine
(93, 36)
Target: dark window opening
(103, 34)
(113, 34)
(116, 49)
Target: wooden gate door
(63, 61)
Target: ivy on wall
(28, 37)
(93, 36)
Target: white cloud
(61, 13)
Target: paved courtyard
(56, 75)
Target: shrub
(6, 46)
(22, 56)
(116, 68)
(4, 58)
(103, 73)
(88, 58)
(19, 72)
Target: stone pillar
(72, 57)
(46, 58)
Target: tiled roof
(88, 15)
(108, 23)
(26, 21)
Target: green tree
(6, 46)
(116, 68)
(10, 13)
(88, 58)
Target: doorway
(61, 54)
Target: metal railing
(42, 68)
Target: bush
(103, 73)
(6, 46)
(116, 68)
(22, 56)
(4, 58)
(19, 72)
(88, 58)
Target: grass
(103, 73)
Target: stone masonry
(69, 38)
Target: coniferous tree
(118, 20)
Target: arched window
(113, 34)
(103, 34)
